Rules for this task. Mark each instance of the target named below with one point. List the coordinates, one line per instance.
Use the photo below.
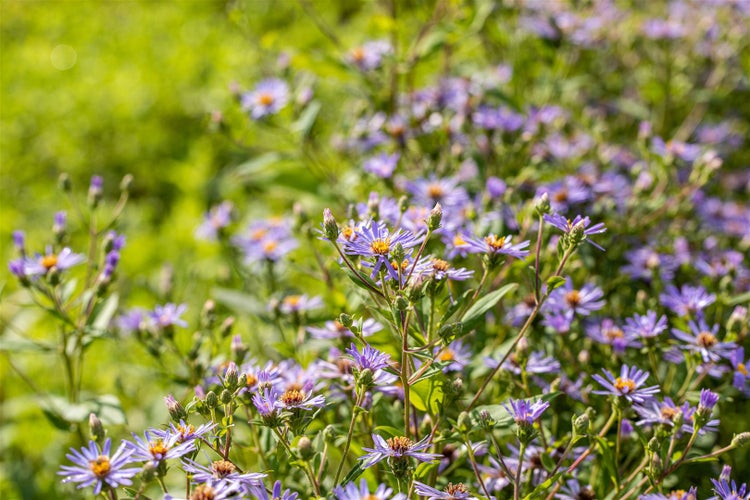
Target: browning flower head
(440, 265)
(613, 333)
(399, 444)
(456, 489)
(292, 397)
(222, 468)
(669, 413)
(573, 298)
(101, 466)
(203, 492)
(707, 339)
(404, 266)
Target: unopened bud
(330, 228)
(329, 433)
(305, 449)
(403, 204)
(96, 429)
(450, 331)
(64, 182)
(149, 471)
(581, 424)
(485, 418)
(464, 422)
(577, 234)
(226, 396)
(436, 215)
(365, 378)
(741, 439)
(654, 445)
(226, 327)
(373, 206)
(176, 410)
(402, 303)
(95, 190)
(543, 205)
(125, 183)
(231, 376)
(346, 320)
(398, 253)
(208, 314)
(212, 400)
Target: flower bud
(212, 400)
(581, 424)
(95, 191)
(226, 327)
(402, 303)
(436, 215)
(577, 234)
(239, 349)
(486, 420)
(64, 182)
(176, 410)
(305, 449)
(96, 429)
(226, 396)
(329, 434)
(373, 206)
(330, 228)
(464, 422)
(543, 205)
(149, 471)
(208, 314)
(231, 376)
(398, 253)
(58, 227)
(403, 204)
(346, 320)
(365, 378)
(741, 439)
(654, 445)
(125, 183)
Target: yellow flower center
(494, 242)
(250, 379)
(269, 246)
(100, 467)
(265, 99)
(625, 385)
(458, 241)
(456, 489)
(348, 233)
(258, 234)
(435, 191)
(573, 298)
(158, 448)
(203, 492)
(706, 339)
(358, 53)
(292, 300)
(49, 261)
(741, 368)
(399, 444)
(447, 355)
(380, 247)
(669, 413)
(613, 333)
(404, 266)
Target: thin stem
(307, 468)
(517, 477)
(349, 435)
(537, 262)
(356, 273)
(474, 466)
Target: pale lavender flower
(645, 326)
(99, 468)
(299, 303)
(216, 219)
(452, 491)
(158, 446)
(524, 412)
(259, 491)
(19, 241)
(42, 264)
(183, 431)
(446, 191)
(726, 490)
(374, 241)
(493, 245)
(334, 330)
(439, 269)
(654, 412)
(370, 358)
(457, 354)
(739, 381)
(223, 472)
(688, 300)
(398, 447)
(574, 491)
(215, 490)
(301, 398)
(134, 320)
(267, 98)
(351, 491)
(607, 332)
(581, 301)
(169, 315)
(59, 223)
(646, 263)
(369, 56)
(567, 225)
(691, 494)
(381, 165)
(703, 340)
(627, 385)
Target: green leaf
(427, 395)
(739, 299)
(555, 282)
(306, 121)
(238, 301)
(425, 468)
(387, 429)
(484, 304)
(356, 471)
(105, 312)
(608, 458)
(257, 164)
(24, 345)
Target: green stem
(349, 435)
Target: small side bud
(543, 205)
(346, 320)
(125, 183)
(208, 314)
(464, 422)
(212, 400)
(225, 329)
(231, 376)
(226, 396)
(95, 191)
(402, 303)
(435, 217)
(581, 424)
(654, 445)
(305, 449)
(741, 439)
(176, 410)
(96, 428)
(330, 228)
(403, 204)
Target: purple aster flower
(19, 241)
(703, 340)
(265, 402)
(95, 467)
(217, 218)
(646, 263)
(446, 191)
(627, 385)
(537, 363)
(223, 472)
(362, 492)
(740, 365)
(42, 264)
(96, 187)
(457, 353)
(493, 245)
(439, 269)
(691, 494)
(397, 448)
(267, 98)
(494, 477)
(566, 225)
(158, 447)
(300, 303)
(110, 264)
(215, 490)
(654, 412)
(370, 358)
(169, 315)
(17, 267)
(524, 412)
(259, 491)
(299, 398)
(707, 401)
(574, 491)
(607, 332)
(369, 56)
(560, 321)
(382, 165)
(674, 148)
(645, 326)
(134, 320)
(495, 187)
(688, 300)
(183, 431)
(726, 490)
(661, 29)
(58, 226)
(565, 193)
(457, 244)
(374, 241)
(582, 301)
(452, 491)
(334, 330)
